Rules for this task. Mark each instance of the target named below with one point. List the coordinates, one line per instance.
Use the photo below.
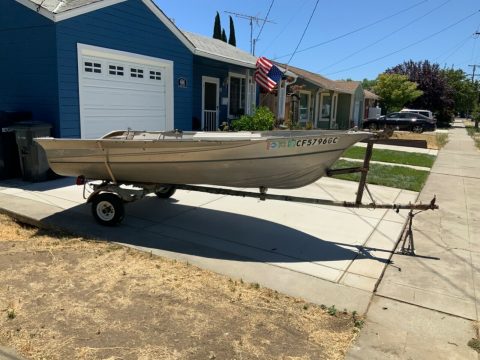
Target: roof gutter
(208, 55)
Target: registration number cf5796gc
(291, 143)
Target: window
(136, 73)
(93, 67)
(237, 96)
(115, 70)
(155, 75)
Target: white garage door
(120, 90)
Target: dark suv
(402, 121)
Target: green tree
(476, 114)
(437, 94)
(465, 91)
(224, 36)
(217, 28)
(368, 84)
(232, 40)
(396, 91)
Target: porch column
(331, 92)
(281, 99)
(248, 105)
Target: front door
(210, 94)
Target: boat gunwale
(229, 137)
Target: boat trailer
(108, 198)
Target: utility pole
(475, 34)
(473, 72)
(251, 18)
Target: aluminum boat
(273, 159)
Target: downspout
(318, 108)
(331, 110)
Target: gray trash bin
(33, 161)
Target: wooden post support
(364, 171)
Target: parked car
(426, 113)
(401, 121)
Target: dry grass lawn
(434, 141)
(63, 297)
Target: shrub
(444, 118)
(476, 115)
(262, 119)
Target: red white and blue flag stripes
(267, 74)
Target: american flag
(267, 74)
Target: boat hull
(284, 160)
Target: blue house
(224, 88)
(92, 66)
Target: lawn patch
(475, 134)
(392, 156)
(392, 176)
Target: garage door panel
(120, 123)
(124, 93)
(115, 99)
(124, 112)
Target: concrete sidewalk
(426, 306)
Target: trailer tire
(166, 192)
(108, 209)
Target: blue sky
(382, 33)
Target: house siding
(211, 68)
(360, 97)
(28, 75)
(216, 69)
(129, 26)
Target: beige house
(318, 102)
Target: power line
(304, 32)
(356, 30)
(454, 49)
(251, 18)
(294, 15)
(474, 48)
(408, 46)
(261, 29)
(385, 37)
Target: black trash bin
(33, 160)
(9, 160)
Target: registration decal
(292, 143)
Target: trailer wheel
(108, 209)
(166, 192)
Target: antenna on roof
(252, 19)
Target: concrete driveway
(327, 255)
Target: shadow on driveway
(164, 225)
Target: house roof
(348, 86)
(60, 6)
(316, 79)
(370, 95)
(58, 10)
(214, 48)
